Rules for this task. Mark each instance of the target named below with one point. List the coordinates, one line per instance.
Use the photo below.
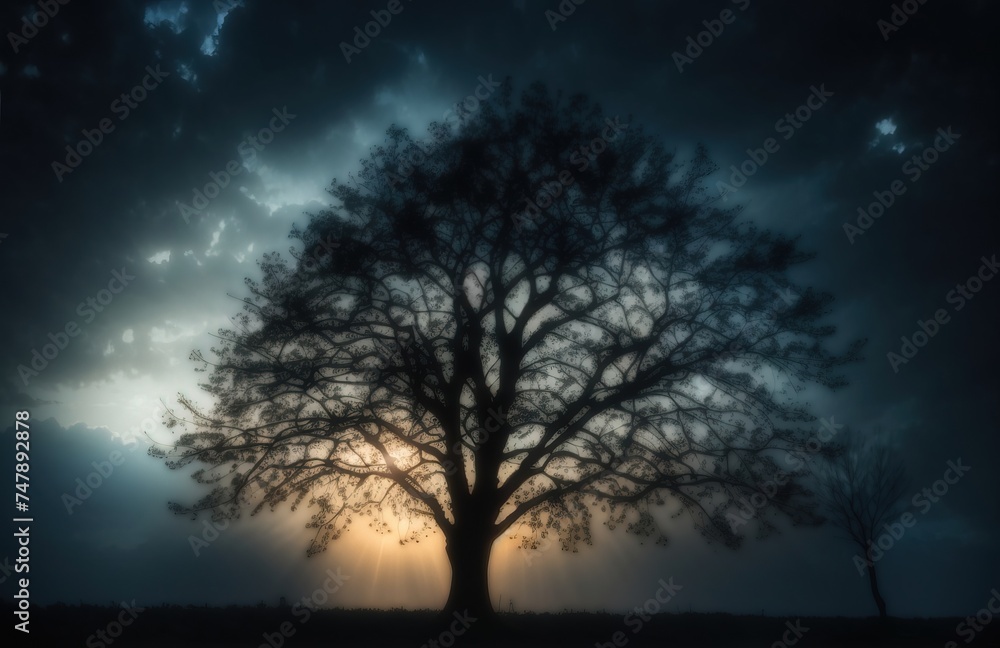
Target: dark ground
(61, 625)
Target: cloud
(228, 71)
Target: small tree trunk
(873, 581)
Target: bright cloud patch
(886, 127)
(172, 331)
(170, 12)
(216, 235)
(211, 41)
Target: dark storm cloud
(119, 207)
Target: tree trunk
(469, 554)
(873, 581)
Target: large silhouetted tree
(863, 491)
(538, 318)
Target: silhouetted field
(213, 627)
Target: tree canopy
(539, 321)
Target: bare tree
(863, 490)
(454, 362)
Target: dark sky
(220, 79)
